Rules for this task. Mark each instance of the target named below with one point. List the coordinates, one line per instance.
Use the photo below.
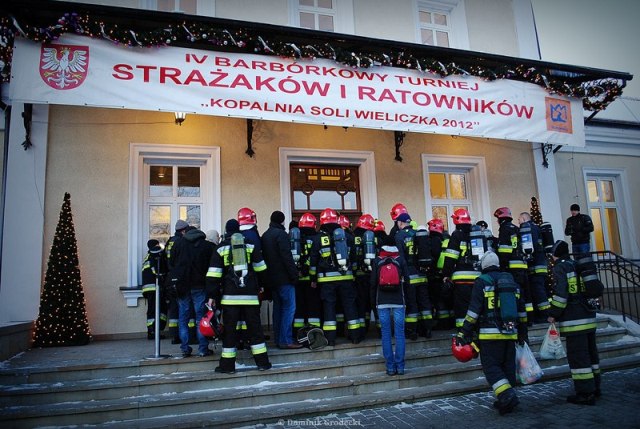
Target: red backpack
(389, 278)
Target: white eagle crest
(65, 68)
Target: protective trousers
(308, 306)
(461, 299)
(363, 303)
(582, 355)
(329, 293)
(231, 314)
(151, 312)
(498, 359)
(425, 311)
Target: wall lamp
(180, 117)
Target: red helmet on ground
(379, 226)
(463, 353)
(366, 221)
(397, 210)
(436, 225)
(328, 216)
(246, 216)
(344, 222)
(210, 325)
(503, 212)
(307, 220)
(461, 216)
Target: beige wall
(267, 11)
(89, 158)
(491, 27)
(393, 20)
(571, 185)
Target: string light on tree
(62, 320)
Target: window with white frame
(317, 14)
(169, 183)
(442, 23)
(454, 182)
(604, 208)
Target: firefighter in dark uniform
(577, 323)
(334, 280)
(308, 303)
(416, 309)
(172, 310)
(248, 221)
(496, 342)
(237, 292)
(438, 243)
(345, 224)
(459, 265)
(536, 259)
(396, 211)
(154, 268)
(363, 272)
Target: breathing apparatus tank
(239, 257)
(295, 241)
(478, 241)
(526, 240)
(547, 236)
(340, 249)
(369, 239)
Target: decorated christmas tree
(536, 215)
(62, 320)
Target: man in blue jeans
(579, 227)
(192, 254)
(283, 275)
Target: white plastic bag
(552, 347)
(528, 370)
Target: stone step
(138, 368)
(244, 392)
(160, 383)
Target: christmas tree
(536, 215)
(63, 319)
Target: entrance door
(604, 211)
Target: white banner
(89, 72)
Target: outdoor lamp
(180, 117)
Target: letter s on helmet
(246, 216)
(366, 221)
(344, 222)
(397, 210)
(463, 353)
(307, 220)
(436, 225)
(328, 216)
(461, 216)
(503, 212)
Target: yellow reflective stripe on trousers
(500, 386)
(229, 353)
(258, 349)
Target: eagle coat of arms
(64, 66)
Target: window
(434, 27)
(168, 183)
(317, 14)
(603, 209)
(316, 187)
(442, 23)
(454, 182)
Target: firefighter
(365, 252)
(442, 306)
(576, 319)
(396, 210)
(331, 270)
(345, 224)
(496, 338)
(154, 268)
(536, 258)
(232, 282)
(308, 302)
(416, 292)
(511, 255)
(460, 267)
(248, 221)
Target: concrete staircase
(184, 393)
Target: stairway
(184, 393)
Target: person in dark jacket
(282, 274)
(192, 254)
(390, 304)
(172, 304)
(579, 227)
(577, 323)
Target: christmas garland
(595, 94)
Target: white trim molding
(364, 159)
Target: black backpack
(586, 269)
(505, 304)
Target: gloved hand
(461, 339)
(523, 337)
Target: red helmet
(344, 222)
(503, 212)
(328, 216)
(397, 210)
(463, 353)
(210, 325)
(461, 216)
(436, 225)
(307, 220)
(366, 221)
(246, 216)
(379, 226)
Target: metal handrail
(621, 279)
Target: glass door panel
(160, 222)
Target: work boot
(582, 399)
(507, 401)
